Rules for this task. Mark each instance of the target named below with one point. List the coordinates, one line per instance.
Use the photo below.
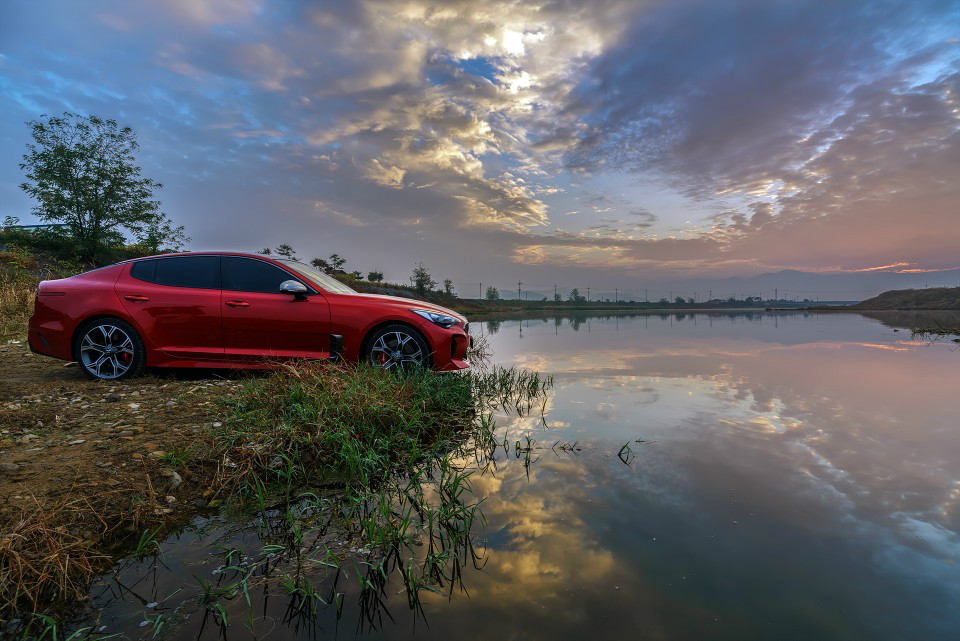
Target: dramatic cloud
(554, 140)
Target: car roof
(199, 253)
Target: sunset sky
(613, 142)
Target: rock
(26, 438)
(217, 424)
(214, 503)
(174, 479)
(133, 406)
(137, 456)
(125, 433)
(200, 503)
(9, 468)
(78, 441)
(170, 499)
(112, 397)
(157, 454)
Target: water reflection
(788, 476)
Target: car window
(201, 272)
(252, 275)
(328, 283)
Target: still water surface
(785, 477)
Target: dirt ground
(64, 436)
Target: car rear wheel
(109, 349)
(398, 347)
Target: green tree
(285, 250)
(492, 293)
(322, 265)
(679, 300)
(83, 173)
(336, 263)
(575, 296)
(375, 277)
(421, 279)
(357, 274)
(557, 298)
(265, 251)
(448, 287)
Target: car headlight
(443, 320)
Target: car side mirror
(298, 289)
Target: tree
(285, 250)
(664, 301)
(448, 287)
(421, 279)
(82, 172)
(557, 298)
(679, 300)
(492, 293)
(575, 297)
(322, 265)
(336, 263)
(265, 251)
(375, 277)
(357, 274)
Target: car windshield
(329, 283)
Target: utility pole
(694, 297)
(588, 294)
(518, 289)
(554, 292)
(481, 291)
(710, 296)
(775, 295)
(646, 298)
(616, 295)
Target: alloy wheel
(106, 351)
(396, 349)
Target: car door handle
(137, 299)
(237, 303)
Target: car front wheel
(109, 349)
(398, 347)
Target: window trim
(311, 290)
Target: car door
(260, 322)
(175, 302)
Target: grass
(313, 448)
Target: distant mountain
(902, 299)
(789, 284)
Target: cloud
(734, 137)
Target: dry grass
(16, 305)
(54, 547)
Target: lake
(690, 476)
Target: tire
(109, 349)
(382, 349)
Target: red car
(232, 310)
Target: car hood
(411, 303)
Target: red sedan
(232, 310)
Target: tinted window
(144, 270)
(188, 271)
(251, 275)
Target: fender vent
(336, 347)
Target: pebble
(9, 467)
(175, 479)
(78, 441)
(170, 499)
(26, 438)
(112, 397)
(133, 406)
(137, 456)
(156, 454)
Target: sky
(604, 143)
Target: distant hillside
(932, 298)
